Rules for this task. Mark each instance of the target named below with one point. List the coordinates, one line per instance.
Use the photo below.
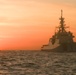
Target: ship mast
(62, 25)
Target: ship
(62, 40)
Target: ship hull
(63, 48)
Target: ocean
(37, 63)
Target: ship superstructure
(62, 40)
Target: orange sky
(28, 24)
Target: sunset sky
(28, 24)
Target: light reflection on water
(37, 63)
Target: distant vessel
(62, 40)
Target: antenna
(61, 13)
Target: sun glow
(28, 24)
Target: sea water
(37, 63)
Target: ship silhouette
(62, 40)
